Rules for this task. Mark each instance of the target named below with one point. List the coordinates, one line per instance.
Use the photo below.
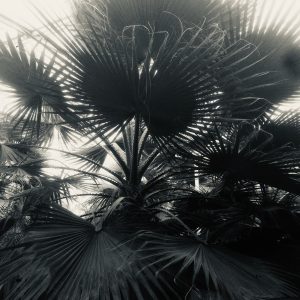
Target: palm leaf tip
(160, 15)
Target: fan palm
(185, 158)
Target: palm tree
(189, 168)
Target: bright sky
(20, 11)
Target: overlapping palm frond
(274, 210)
(25, 183)
(59, 132)
(93, 157)
(284, 128)
(242, 154)
(72, 259)
(243, 66)
(18, 166)
(23, 192)
(215, 269)
(247, 73)
(35, 84)
(183, 71)
(132, 167)
(145, 86)
(169, 172)
(266, 213)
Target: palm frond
(274, 40)
(35, 84)
(271, 212)
(58, 132)
(216, 269)
(162, 15)
(64, 249)
(10, 155)
(185, 72)
(185, 151)
(284, 128)
(241, 153)
(93, 157)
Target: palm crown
(188, 169)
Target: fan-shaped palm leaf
(183, 73)
(216, 269)
(274, 39)
(251, 72)
(77, 260)
(35, 84)
(239, 154)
